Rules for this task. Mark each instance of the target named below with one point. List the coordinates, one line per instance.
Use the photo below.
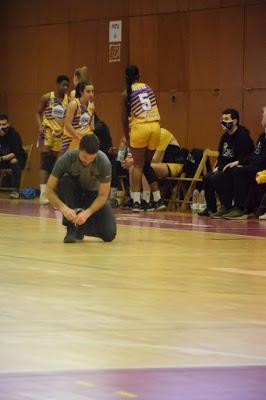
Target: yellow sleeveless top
(143, 104)
(83, 121)
(55, 112)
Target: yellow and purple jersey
(143, 104)
(54, 113)
(83, 121)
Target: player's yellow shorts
(51, 139)
(175, 169)
(145, 134)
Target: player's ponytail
(132, 75)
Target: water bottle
(195, 201)
(202, 201)
(121, 152)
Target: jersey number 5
(145, 101)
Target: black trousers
(101, 224)
(16, 171)
(244, 177)
(221, 183)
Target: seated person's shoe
(14, 195)
(205, 213)
(236, 213)
(71, 235)
(220, 213)
(159, 205)
(262, 217)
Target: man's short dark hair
(62, 78)
(234, 113)
(3, 117)
(90, 144)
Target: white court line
(186, 350)
(240, 271)
(140, 368)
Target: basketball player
(50, 119)
(79, 116)
(140, 117)
(80, 74)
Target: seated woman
(165, 160)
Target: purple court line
(252, 227)
(208, 383)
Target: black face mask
(228, 125)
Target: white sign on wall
(115, 31)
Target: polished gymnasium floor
(174, 308)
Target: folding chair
(183, 190)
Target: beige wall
(205, 54)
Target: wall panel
(143, 48)
(205, 110)
(255, 46)
(22, 60)
(140, 7)
(173, 45)
(3, 104)
(23, 13)
(204, 4)
(109, 110)
(3, 63)
(110, 74)
(52, 12)
(169, 6)
(228, 3)
(84, 9)
(216, 60)
(174, 115)
(82, 33)
(53, 58)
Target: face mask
(227, 125)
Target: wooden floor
(154, 298)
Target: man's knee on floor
(109, 236)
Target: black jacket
(258, 157)
(102, 131)
(11, 143)
(234, 147)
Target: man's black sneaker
(159, 205)
(79, 232)
(71, 236)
